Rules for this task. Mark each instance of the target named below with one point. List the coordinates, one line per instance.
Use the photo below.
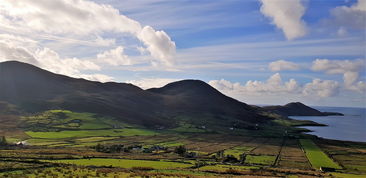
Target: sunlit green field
(62, 119)
(57, 128)
(237, 151)
(64, 143)
(316, 156)
(90, 133)
(260, 159)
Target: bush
(180, 150)
(109, 149)
(199, 164)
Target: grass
(237, 151)
(94, 139)
(76, 132)
(124, 163)
(171, 144)
(260, 159)
(90, 133)
(42, 142)
(316, 156)
(188, 128)
(63, 119)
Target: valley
(55, 142)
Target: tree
(220, 154)
(180, 150)
(242, 158)
(199, 164)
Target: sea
(350, 127)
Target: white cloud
(286, 15)
(353, 17)
(146, 83)
(97, 77)
(11, 52)
(338, 66)
(224, 85)
(46, 58)
(66, 16)
(158, 44)
(80, 19)
(350, 70)
(264, 50)
(50, 60)
(114, 57)
(281, 65)
(274, 85)
(322, 88)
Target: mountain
(198, 97)
(297, 109)
(32, 89)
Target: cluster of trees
(182, 151)
(118, 148)
(220, 156)
(109, 148)
(154, 148)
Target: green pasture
(260, 159)
(62, 119)
(316, 156)
(94, 139)
(237, 151)
(90, 133)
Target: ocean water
(350, 127)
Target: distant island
(298, 109)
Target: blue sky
(257, 51)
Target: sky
(256, 51)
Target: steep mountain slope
(297, 109)
(33, 89)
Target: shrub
(180, 150)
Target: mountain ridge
(33, 90)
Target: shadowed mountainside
(298, 109)
(32, 89)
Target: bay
(350, 127)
